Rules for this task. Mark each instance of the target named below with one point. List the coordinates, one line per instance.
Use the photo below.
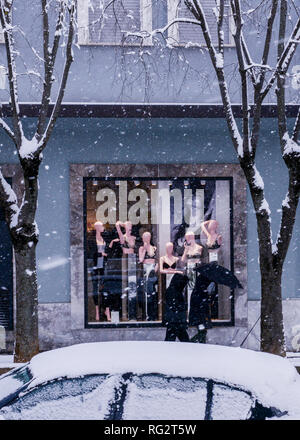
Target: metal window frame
(216, 323)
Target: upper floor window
(189, 34)
(108, 22)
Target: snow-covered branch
(285, 59)
(8, 201)
(49, 60)
(7, 129)
(6, 23)
(68, 61)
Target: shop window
(189, 34)
(107, 22)
(141, 234)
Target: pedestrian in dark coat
(175, 313)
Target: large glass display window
(140, 234)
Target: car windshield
(82, 398)
(12, 382)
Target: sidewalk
(7, 363)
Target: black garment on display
(168, 266)
(175, 304)
(200, 303)
(219, 274)
(150, 257)
(175, 309)
(213, 246)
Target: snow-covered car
(151, 381)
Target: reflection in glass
(140, 232)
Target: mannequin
(214, 240)
(129, 288)
(192, 250)
(127, 240)
(167, 264)
(147, 257)
(98, 271)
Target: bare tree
(20, 217)
(258, 79)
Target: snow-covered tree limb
(296, 129)
(6, 23)
(68, 61)
(8, 202)
(49, 61)
(7, 129)
(236, 10)
(285, 59)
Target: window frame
(83, 24)
(173, 31)
(136, 324)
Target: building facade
(142, 140)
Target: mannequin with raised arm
(214, 239)
(129, 279)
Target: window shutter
(109, 26)
(6, 276)
(191, 34)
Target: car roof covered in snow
(272, 379)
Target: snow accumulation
(291, 146)
(272, 379)
(28, 147)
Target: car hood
(272, 379)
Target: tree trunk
(26, 335)
(25, 239)
(272, 330)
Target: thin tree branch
(8, 202)
(69, 59)
(296, 127)
(285, 59)
(6, 23)
(236, 9)
(280, 91)
(7, 129)
(49, 62)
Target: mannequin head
(146, 237)
(212, 226)
(99, 227)
(190, 237)
(169, 248)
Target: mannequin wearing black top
(168, 262)
(214, 240)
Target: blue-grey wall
(114, 74)
(145, 141)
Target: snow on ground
(273, 380)
(7, 361)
